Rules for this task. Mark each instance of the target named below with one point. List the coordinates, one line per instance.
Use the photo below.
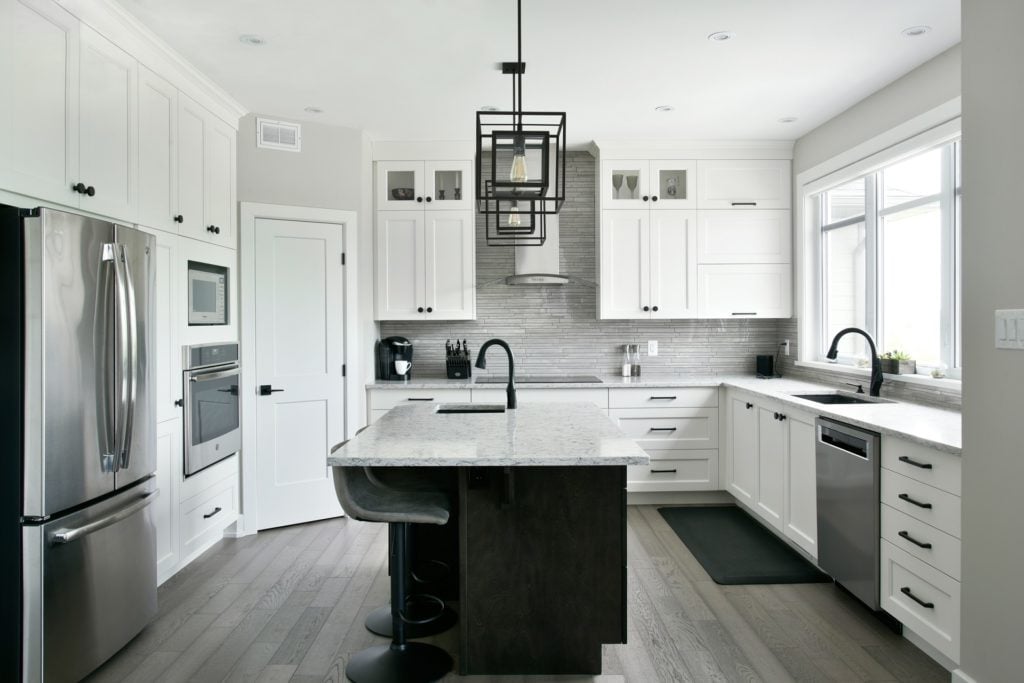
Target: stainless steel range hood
(539, 265)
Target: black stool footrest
(430, 571)
(422, 601)
(411, 663)
(378, 622)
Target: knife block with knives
(457, 361)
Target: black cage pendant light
(523, 179)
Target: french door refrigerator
(76, 473)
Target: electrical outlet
(652, 347)
(785, 347)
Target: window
(890, 260)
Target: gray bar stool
(363, 500)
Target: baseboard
(960, 677)
(678, 498)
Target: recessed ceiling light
(664, 107)
(252, 39)
(314, 110)
(915, 31)
(787, 119)
(721, 36)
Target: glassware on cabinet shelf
(616, 184)
(631, 183)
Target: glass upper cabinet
(639, 184)
(399, 184)
(673, 185)
(449, 185)
(424, 185)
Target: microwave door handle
(132, 316)
(121, 324)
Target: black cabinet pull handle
(663, 429)
(671, 471)
(211, 514)
(646, 198)
(662, 398)
(919, 544)
(419, 310)
(744, 203)
(430, 199)
(749, 406)
(926, 506)
(927, 605)
(179, 218)
(420, 399)
(429, 309)
(745, 313)
(922, 465)
(267, 390)
(419, 199)
(647, 308)
(655, 309)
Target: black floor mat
(735, 549)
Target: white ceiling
(419, 69)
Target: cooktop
(540, 379)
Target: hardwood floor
(289, 604)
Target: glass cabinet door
(672, 184)
(400, 185)
(448, 185)
(625, 184)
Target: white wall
(993, 544)
(935, 82)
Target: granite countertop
(538, 434)
(936, 428)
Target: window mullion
(872, 319)
(947, 316)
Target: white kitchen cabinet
(169, 317)
(647, 184)
(744, 237)
(741, 451)
(771, 465)
(648, 264)
(191, 169)
(745, 290)
(744, 184)
(206, 175)
(424, 185)
(425, 265)
(524, 395)
(158, 131)
(165, 509)
(801, 511)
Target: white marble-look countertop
(547, 434)
(931, 427)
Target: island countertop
(537, 434)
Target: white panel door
(625, 264)
(673, 264)
(158, 128)
(219, 187)
(39, 54)
(107, 132)
(169, 291)
(400, 276)
(741, 459)
(801, 485)
(191, 167)
(743, 184)
(449, 276)
(299, 354)
(744, 237)
(165, 509)
(771, 465)
(745, 290)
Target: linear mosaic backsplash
(555, 330)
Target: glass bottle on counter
(634, 369)
(627, 361)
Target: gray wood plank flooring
(288, 605)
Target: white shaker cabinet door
(400, 276)
(741, 456)
(191, 168)
(744, 237)
(801, 485)
(743, 184)
(158, 126)
(168, 295)
(107, 131)
(673, 264)
(165, 509)
(625, 264)
(39, 55)
(745, 290)
(219, 186)
(771, 471)
(449, 276)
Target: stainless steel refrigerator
(79, 547)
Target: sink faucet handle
(860, 387)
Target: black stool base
(411, 663)
(379, 622)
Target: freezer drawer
(89, 585)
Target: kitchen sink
(840, 398)
(459, 408)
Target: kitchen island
(541, 508)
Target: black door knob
(179, 218)
(647, 308)
(267, 390)
(419, 310)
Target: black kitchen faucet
(481, 362)
(876, 364)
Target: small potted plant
(897, 362)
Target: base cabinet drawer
(670, 428)
(692, 397)
(695, 470)
(921, 540)
(922, 598)
(386, 399)
(921, 501)
(208, 512)
(935, 468)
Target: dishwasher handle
(843, 441)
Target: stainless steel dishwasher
(847, 460)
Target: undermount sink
(463, 408)
(840, 398)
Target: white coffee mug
(402, 366)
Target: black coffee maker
(389, 350)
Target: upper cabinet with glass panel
(419, 185)
(643, 184)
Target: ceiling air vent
(278, 135)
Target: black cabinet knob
(216, 230)
(419, 310)
(210, 228)
(419, 199)
(179, 218)
(180, 402)
(749, 406)
(430, 309)
(90, 191)
(654, 198)
(646, 198)
(655, 308)
(82, 188)
(647, 308)
(430, 199)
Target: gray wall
(993, 564)
(555, 329)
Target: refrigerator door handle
(107, 413)
(123, 332)
(132, 316)
(63, 536)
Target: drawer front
(213, 508)
(909, 535)
(695, 397)
(936, 468)
(598, 397)
(904, 578)
(685, 471)
(386, 399)
(926, 503)
(668, 428)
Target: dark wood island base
(542, 567)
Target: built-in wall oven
(212, 406)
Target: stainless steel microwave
(207, 294)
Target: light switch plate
(652, 347)
(1010, 329)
